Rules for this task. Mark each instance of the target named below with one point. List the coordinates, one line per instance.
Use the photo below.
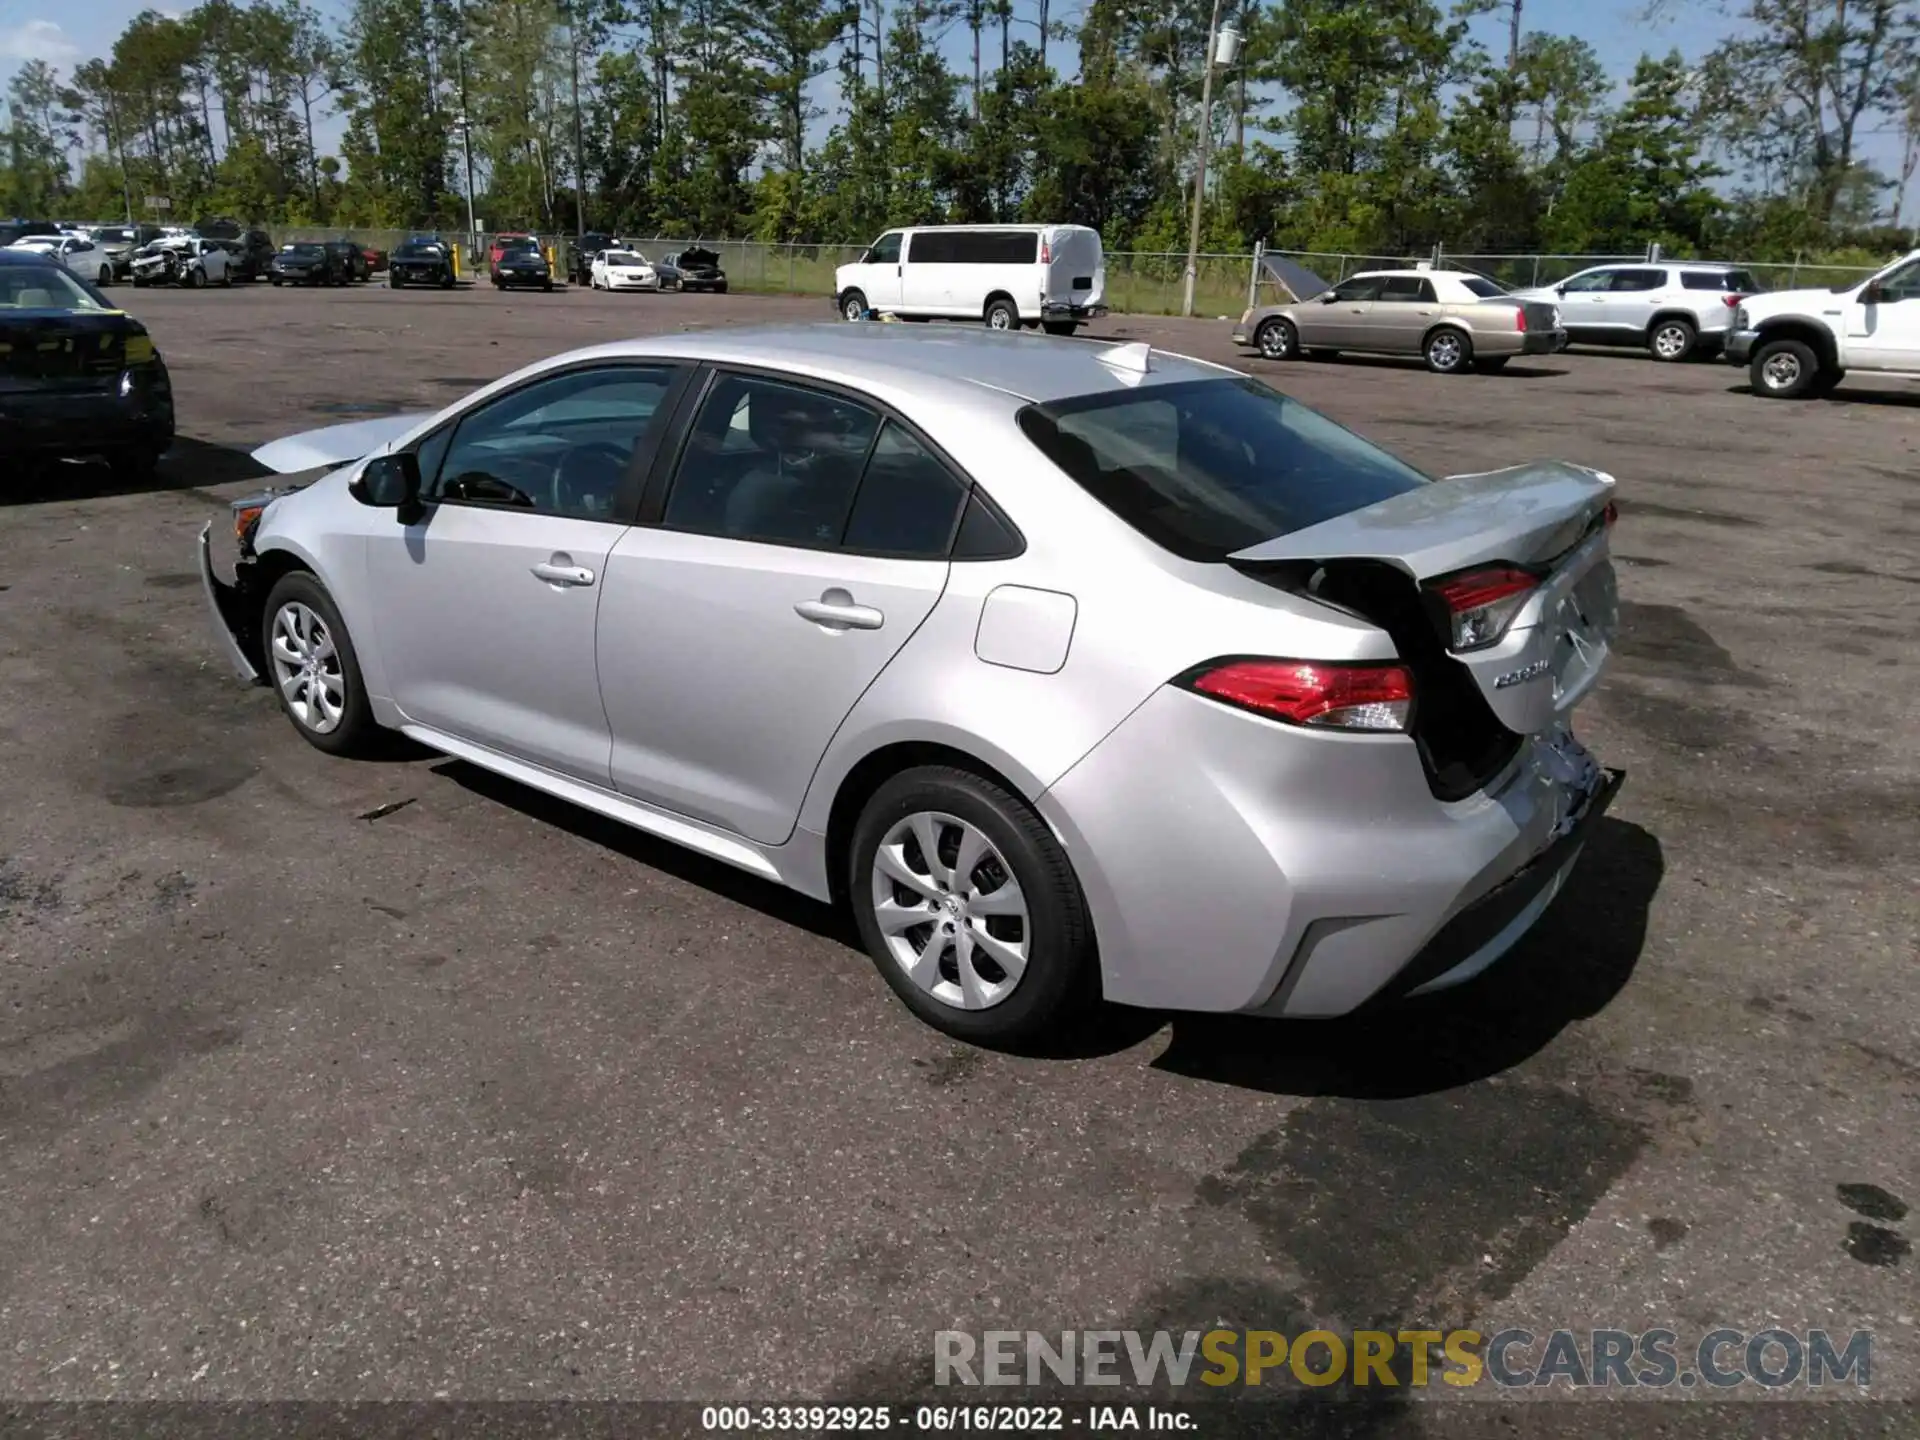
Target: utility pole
(465, 122)
(1218, 45)
(579, 149)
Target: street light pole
(1200, 170)
(579, 165)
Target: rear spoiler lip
(1424, 538)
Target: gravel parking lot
(334, 1080)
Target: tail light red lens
(1520, 317)
(1323, 694)
(1481, 604)
(1611, 514)
(1732, 302)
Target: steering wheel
(586, 477)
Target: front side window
(1901, 284)
(559, 446)
(771, 462)
(1206, 467)
(1590, 283)
(1365, 287)
(886, 250)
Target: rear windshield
(1207, 467)
(1484, 288)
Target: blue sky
(65, 33)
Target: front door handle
(556, 572)
(835, 610)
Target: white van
(1005, 275)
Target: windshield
(1483, 287)
(304, 252)
(45, 287)
(625, 257)
(1207, 467)
(114, 235)
(420, 250)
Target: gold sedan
(1454, 319)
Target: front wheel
(274, 280)
(853, 305)
(446, 281)
(105, 277)
(1002, 315)
(311, 661)
(1277, 340)
(1784, 369)
(969, 907)
(1448, 352)
(196, 277)
(1671, 341)
(721, 288)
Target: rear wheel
(853, 305)
(969, 907)
(1277, 340)
(1671, 341)
(195, 278)
(394, 282)
(446, 280)
(1448, 352)
(1002, 315)
(105, 277)
(311, 662)
(1784, 369)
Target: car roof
(10, 255)
(885, 357)
(1426, 274)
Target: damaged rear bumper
(228, 607)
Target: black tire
(1058, 327)
(356, 731)
(1672, 340)
(1784, 369)
(853, 305)
(1276, 339)
(105, 277)
(394, 282)
(195, 278)
(446, 281)
(274, 280)
(547, 286)
(139, 283)
(721, 288)
(1492, 365)
(1448, 351)
(1061, 977)
(1001, 314)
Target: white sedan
(78, 253)
(623, 270)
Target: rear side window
(1638, 279)
(1485, 289)
(1407, 287)
(908, 502)
(974, 247)
(1207, 467)
(1726, 282)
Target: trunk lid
(1549, 519)
(69, 349)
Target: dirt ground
(323, 1080)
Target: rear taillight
(1323, 694)
(1732, 302)
(1611, 514)
(1520, 317)
(1481, 604)
(1046, 253)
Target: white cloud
(38, 40)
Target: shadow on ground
(189, 465)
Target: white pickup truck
(1801, 342)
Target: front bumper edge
(224, 601)
(1739, 346)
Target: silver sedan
(1074, 670)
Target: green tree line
(1369, 126)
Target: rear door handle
(554, 572)
(836, 610)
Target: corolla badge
(1521, 676)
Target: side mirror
(1329, 298)
(390, 482)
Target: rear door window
(1627, 280)
(1407, 288)
(1203, 468)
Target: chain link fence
(1138, 282)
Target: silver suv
(1673, 309)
